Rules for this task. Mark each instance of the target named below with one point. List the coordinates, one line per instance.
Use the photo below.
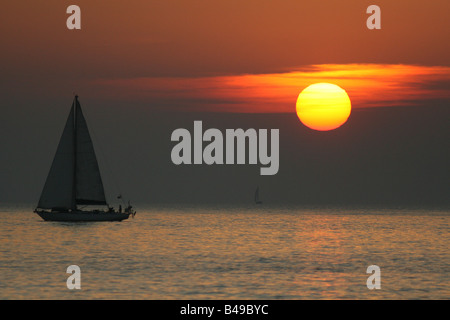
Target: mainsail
(57, 192)
(74, 176)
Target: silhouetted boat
(257, 201)
(74, 179)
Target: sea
(190, 252)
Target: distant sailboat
(74, 179)
(257, 201)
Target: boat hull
(82, 216)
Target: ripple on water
(239, 253)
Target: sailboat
(74, 181)
(257, 201)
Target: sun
(323, 106)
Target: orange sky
(238, 52)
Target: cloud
(368, 85)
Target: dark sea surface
(240, 252)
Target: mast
(257, 201)
(74, 181)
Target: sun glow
(323, 106)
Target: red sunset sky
(240, 56)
